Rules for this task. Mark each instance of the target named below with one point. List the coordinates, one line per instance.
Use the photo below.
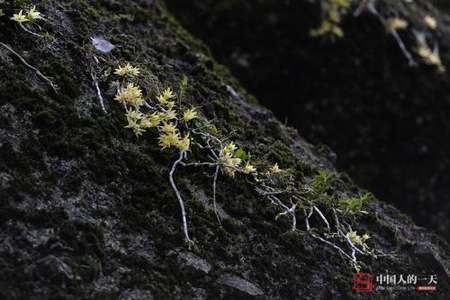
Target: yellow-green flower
(365, 237)
(229, 163)
(327, 28)
(131, 94)
(229, 148)
(20, 17)
(184, 144)
(169, 128)
(169, 105)
(358, 239)
(430, 57)
(133, 115)
(167, 140)
(127, 70)
(169, 115)
(166, 95)
(151, 120)
(275, 169)
(33, 14)
(249, 169)
(396, 23)
(138, 130)
(134, 119)
(189, 115)
(430, 22)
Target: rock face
(87, 211)
(385, 120)
(247, 289)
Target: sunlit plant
(25, 19)
(182, 129)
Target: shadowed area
(386, 121)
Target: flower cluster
(170, 137)
(189, 114)
(275, 169)
(426, 54)
(249, 169)
(130, 94)
(127, 70)
(166, 98)
(333, 11)
(358, 240)
(228, 160)
(29, 16)
(162, 114)
(173, 122)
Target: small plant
(354, 205)
(332, 13)
(183, 129)
(359, 240)
(428, 56)
(127, 70)
(430, 22)
(396, 24)
(25, 19)
(321, 186)
(30, 15)
(323, 181)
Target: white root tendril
(369, 5)
(277, 186)
(99, 92)
(216, 173)
(29, 31)
(179, 198)
(38, 73)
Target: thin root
(38, 73)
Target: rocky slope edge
(87, 210)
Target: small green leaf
(240, 153)
(183, 86)
(354, 205)
(213, 129)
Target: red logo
(363, 282)
(426, 288)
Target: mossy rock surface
(86, 209)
